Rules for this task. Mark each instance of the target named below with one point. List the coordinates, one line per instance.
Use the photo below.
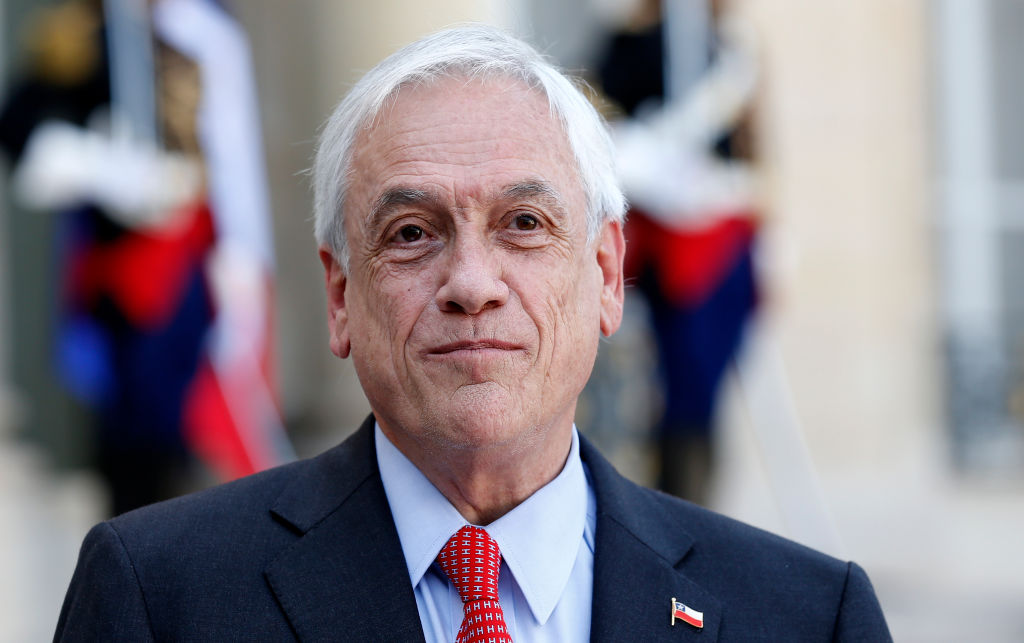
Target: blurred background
(823, 338)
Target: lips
(474, 345)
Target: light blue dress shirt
(547, 547)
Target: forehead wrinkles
(451, 111)
(445, 137)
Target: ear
(611, 252)
(337, 313)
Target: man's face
(473, 303)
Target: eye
(410, 233)
(525, 222)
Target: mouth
(474, 346)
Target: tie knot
(471, 560)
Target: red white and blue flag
(687, 614)
(231, 415)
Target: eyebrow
(398, 197)
(541, 192)
(534, 191)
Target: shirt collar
(539, 539)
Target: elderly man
(470, 230)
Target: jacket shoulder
(224, 507)
(194, 567)
(738, 544)
(268, 500)
(764, 586)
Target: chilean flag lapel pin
(687, 614)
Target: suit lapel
(639, 564)
(345, 577)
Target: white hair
(469, 51)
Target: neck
(484, 483)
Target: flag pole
(132, 72)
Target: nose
(472, 280)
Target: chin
(482, 418)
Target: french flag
(688, 614)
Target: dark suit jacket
(309, 551)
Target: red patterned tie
(471, 561)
